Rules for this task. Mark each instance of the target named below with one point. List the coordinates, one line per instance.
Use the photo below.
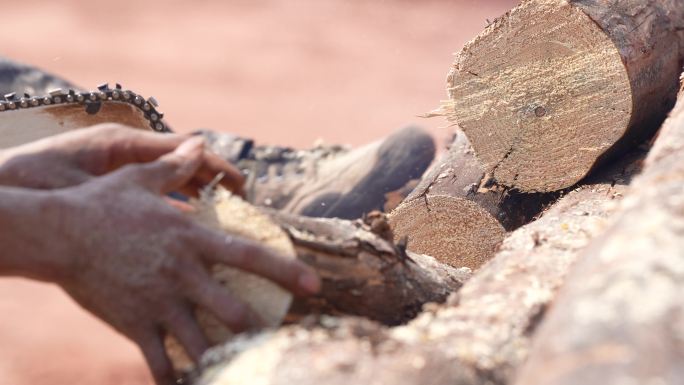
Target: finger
(291, 274)
(206, 292)
(173, 170)
(139, 146)
(232, 180)
(182, 324)
(154, 352)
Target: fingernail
(309, 282)
(190, 146)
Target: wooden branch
(363, 272)
(480, 336)
(620, 317)
(457, 215)
(553, 88)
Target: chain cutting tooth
(118, 86)
(103, 87)
(153, 101)
(56, 92)
(27, 96)
(11, 96)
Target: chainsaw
(25, 118)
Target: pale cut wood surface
(620, 318)
(555, 87)
(229, 213)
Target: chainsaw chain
(91, 100)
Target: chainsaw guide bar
(92, 101)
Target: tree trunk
(456, 215)
(620, 317)
(479, 336)
(555, 87)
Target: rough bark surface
(364, 273)
(554, 88)
(456, 214)
(620, 318)
(480, 336)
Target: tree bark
(619, 319)
(555, 87)
(456, 214)
(364, 273)
(480, 336)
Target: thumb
(173, 170)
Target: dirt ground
(280, 71)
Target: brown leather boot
(329, 181)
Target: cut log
(555, 87)
(456, 215)
(620, 317)
(480, 336)
(363, 272)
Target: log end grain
(454, 230)
(542, 93)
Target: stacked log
(619, 318)
(480, 335)
(554, 88)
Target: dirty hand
(118, 248)
(75, 157)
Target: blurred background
(286, 72)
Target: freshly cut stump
(456, 215)
(554, 86)
(620, 317)
(230, 213)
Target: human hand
(141, 265)
(78, 156)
